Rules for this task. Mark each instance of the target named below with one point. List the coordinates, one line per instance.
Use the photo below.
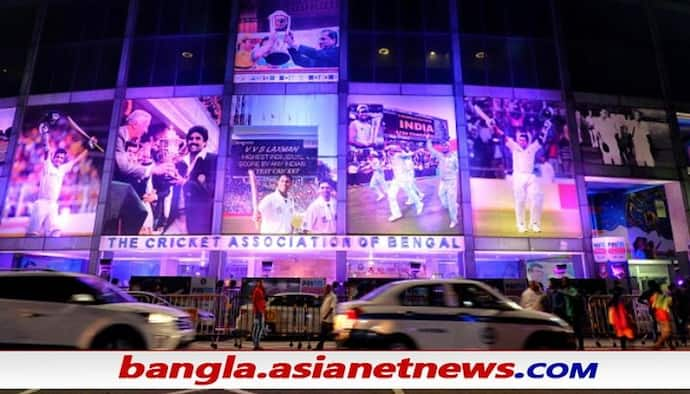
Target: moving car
(445, 314)
(205, 320)
(287, 314)
(66, 310)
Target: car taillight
(353, 314)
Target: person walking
(327, 311)
(645, 298)
(661, 305)
(574, 310)
(619, 317)
(531, 298)
(259, 307)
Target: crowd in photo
(490, 157)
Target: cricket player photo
(624, 136)
(279, 41)
(56, 172)
(282, 178)
(521, 168)
(402, 165)
(165, 167)
(6, 120)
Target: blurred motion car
(205, 320)
(42, 309)
(287, 314)
(445, 314)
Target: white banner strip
(354, 370)
(285, 243)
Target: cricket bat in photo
(255, 196)
(79, 130)
(483, 115)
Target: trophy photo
(170, 148)
(279, 22)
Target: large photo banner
(287, 41)
(624, 136)
(56, 172)
(402, 172)
(6, 120)
(165, 167)
(641, 217)
(281, 178)
(521, 168)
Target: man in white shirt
(531, 298)
(364, 128)
(525, 183)
(378, 178)
(409, 167)
(44, 213)
(327, 311)
(448, 184)
(275, 211)
(321, 213)
(641, 141)
(401, 179)
(606, 128)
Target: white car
(445, 314)
(206, 320)
(287, 314)
(64, 310)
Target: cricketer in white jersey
(276, 210)
(320, 216)
(448, 184)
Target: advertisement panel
(542, 271)
(520, 161)
(281, 177)
(624, 136)
(402, 163)
(56, 172)
(165, 167)
(287, 41)
(639, 216)
(6, 120)
(609, 249)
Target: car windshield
(107, 293)
(377, 291)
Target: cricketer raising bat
(76, 127)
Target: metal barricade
(645, 326)
(298, 323)
(598, 316)
(208, 311)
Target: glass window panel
(410, 16)
(474, 60)
(436, 17)
(496, 58)
(414, 58)
(361, 57)
(387, 60)
(360, 14)
(385, 15)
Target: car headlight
(161, 318)
(560, 321)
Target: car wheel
(397, 345)
(118, 339)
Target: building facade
(342, 139)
